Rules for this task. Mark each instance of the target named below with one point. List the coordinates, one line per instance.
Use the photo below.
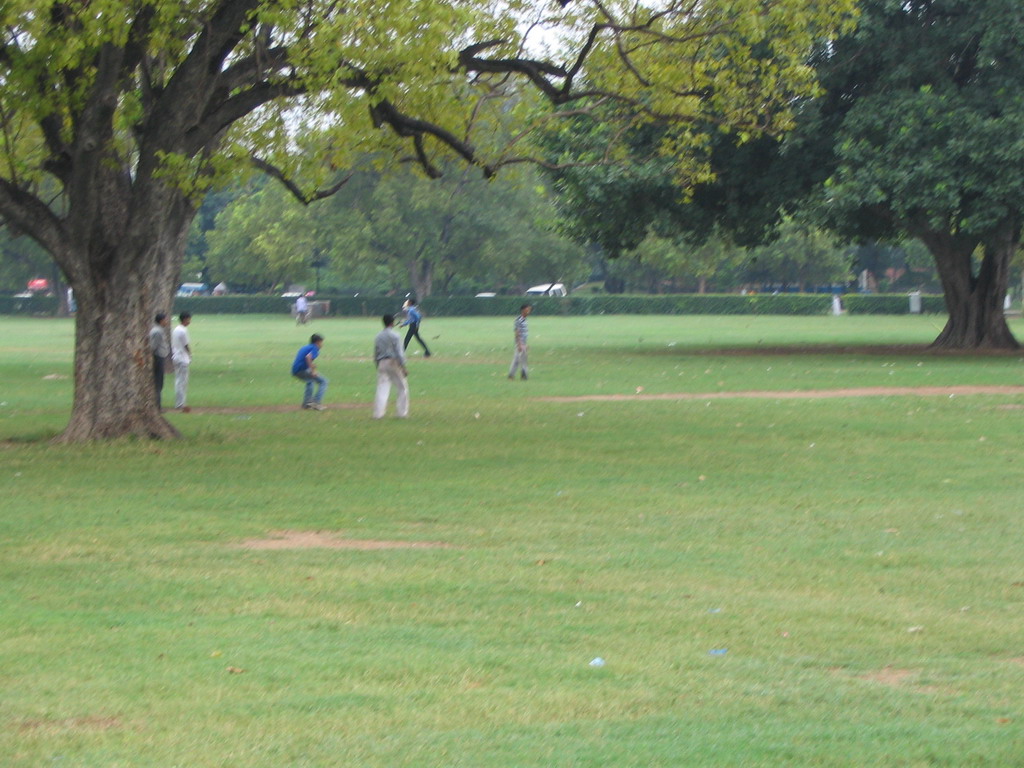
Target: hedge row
(891, 304)
(36, 305)
(675, 304)
(465, 306)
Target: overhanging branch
(303, 197)
(385, 113)
(26, 213)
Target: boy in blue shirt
(304, 369)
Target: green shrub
(672, 304)
(232, 305)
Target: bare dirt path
(266, 409)
(757, 394)
(331, 540)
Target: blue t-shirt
(413, 316)
(300, 363)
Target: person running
(413, 316)
(521, 332)
(304, 369)
(389, 356)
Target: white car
(547, 289)
(192, 289)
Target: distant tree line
(462, 234)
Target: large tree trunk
(974, 301)
(118, 293)
(421, 277)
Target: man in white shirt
(181, 354)
(301, 310)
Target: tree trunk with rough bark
(119, 289)
(421, 277)
(974, 293)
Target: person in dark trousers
(160, 343)
(412, 319)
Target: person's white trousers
(180, 384)
(389, 373)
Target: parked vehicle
(38, 286)
(193, 289)
(548, 289)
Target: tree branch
(213, 123)
(537, 72)
(25, 212)
(305, 198)
(385, 113)
(199, 74)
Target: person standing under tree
(413, 316)
(304, 369)
(389, 357)
(181, 354)
(521, 332)
(161, 347)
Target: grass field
(769, 581)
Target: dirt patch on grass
(228, 410)
(329, 540)
(766, 394)
(892, 677)
(90, 724)
(799, 394)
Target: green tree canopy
(397, 231)
(920, 127)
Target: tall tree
(264, 239)
(409, 232)
(447, 231)
(133, 108)
(799, 256)
(740, 192)
(921, 124)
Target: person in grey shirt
(389, 357)
(161, 347)
(521, 336)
